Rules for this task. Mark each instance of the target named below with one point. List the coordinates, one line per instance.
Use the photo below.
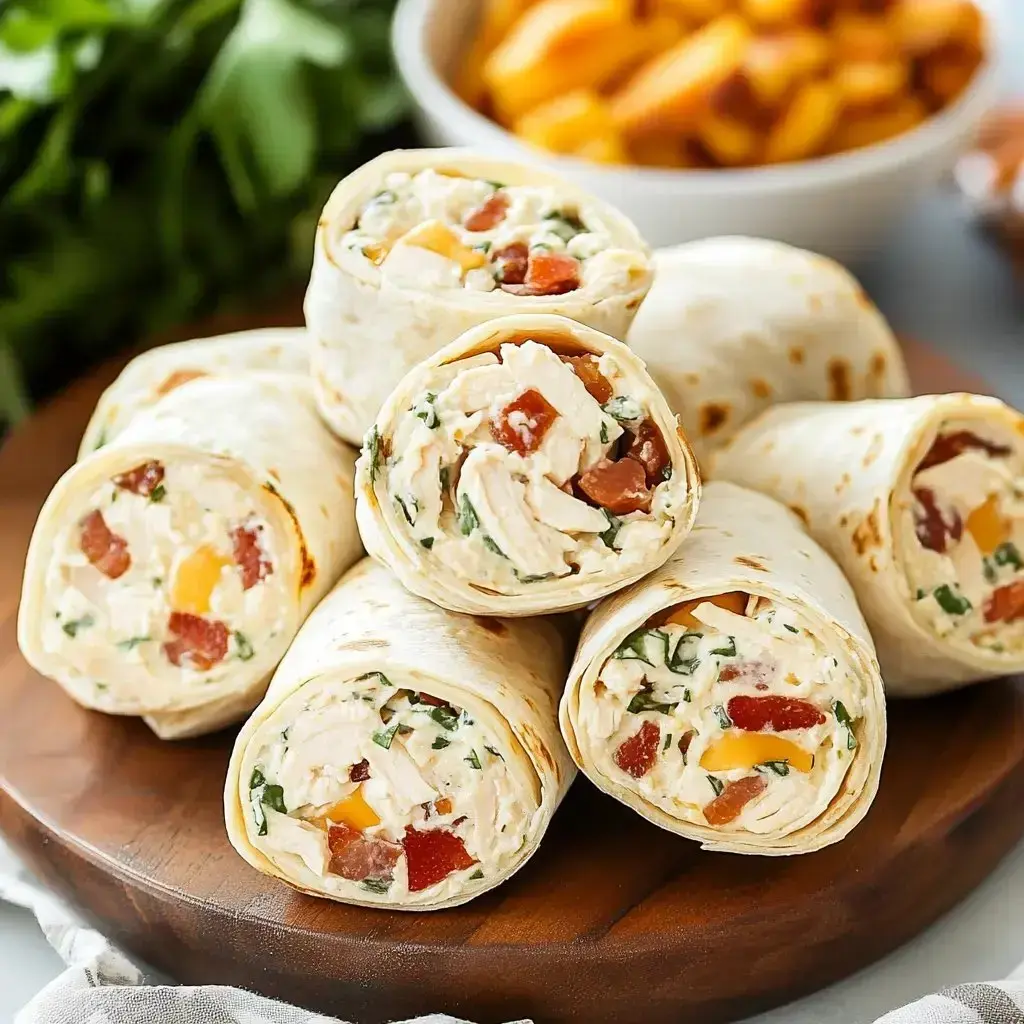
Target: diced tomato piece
(360, 771)
(636, 756)
(949, 446)
(105, 549)
(752, 672)
(432, 855)
(249, 555)
(356, 856)
(588, 370)
(197, 643)
(933, 529)
(730, 802)
(1006, 604)
(142, 479)
(426, 698)
(647, 446)
(511, 263)
(489, 214)
(775, 714)
(522, 424)
(548, 273)
(684, 742)
(620, 487)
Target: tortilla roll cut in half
(921, 502)
(735, 325)
(531, 466)
(169, 571)
(154, 374)
(418, 246)
(404, 756)
(733, 696)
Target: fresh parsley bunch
(162, 157)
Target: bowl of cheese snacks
(810, 121)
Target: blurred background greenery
(160, 159)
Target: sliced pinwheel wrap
(734, 325)
(418, 246)
(404, 756)
(531, 466)
(921, 502)
(733, 696)
(169, 571)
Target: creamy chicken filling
(161, 581)
(726, 711)
(437, 230)
(963, 536)
(523, 466)
(374, 787)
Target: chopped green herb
(723, 716)
(75, 626)
(158, 493)
(263, 794)
(244, 647)
(716, 784)
(776, 767)
(921, 593)
(843, 718)
(495, 184)
(484, 247)
(379, 676)
(614, 525)
(378, 885)
(468, 519)
(954, 604)
(604, 431)
(476, 874)
(383, 737)
(132, 642)
(666, 473)
(473, 761)
(443, 477)
(683, 662)
(493, 752)
(667, 744)
(491, 546)
(372, 445)
(427, 411)
(644, 701)
(385, 197)
(158, 581)
(445, 717)
(989, 570)
(400, 502)
(101, 440)
(440, 743)
(427, 542)
(624, 409)
(728, 651)
(635, 646)
(792, 629)
(1007, 554)
(537, 578)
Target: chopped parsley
(644, 701)
(604, 432)
(243, 646)
(566, 225)
(445, 717)
(383, 737)
(400, 502)
(716, 784)
(132, 642)
(495, 753)
(667, 743)
(372, 445)
(950, 602)
(728, 651)
(624, 409)
(683, 662)
(468, 519)
(491, 546)
(528, 578)
(635, 646)
(263, 794)
(776, 767)
(792, 629)
(1007, 554)
(666, 473)
(427, 411)
(378, 885)
(427, 542)
(473, 761)
(723, 716)
(844, 719)
(476, 874)
(614, 525)
(75, 626)
(380, 677)
(157, 494)
(440, 743)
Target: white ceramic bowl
(842, 205)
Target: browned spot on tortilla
(274, 473)
(815, 303)
(801, 512)
(874, 450)
(873, 564)
(857, 431)
(862, 299)
(633, 303)
(839, 380)
(179, 377)
(563, 343)
(844, 519)
(538, 745)
(877, 367)
(691, 378)
(750, 563)
(492, 625)
(844, 482)
(796, 355)
(712, 417)
(867, 534)
(308, 572)
(365, 645)
(761, 388)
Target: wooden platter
(613, 920)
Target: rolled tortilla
(735, 325)
(733, 696)
(150, 376)
(531, 466)
(404, 756)
(920, 501)
(418, 246)
(169, 571)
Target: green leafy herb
(157, 494)
(636, 646)
(491, 546)
(468, 519)
(158, 582)
(75, 626)
(565, 224)
(644, 701)
(484, 247)
(948, 601)
(1007, 554)
(400, 502)
(684, 661)
(604, 431)
(716, 784)
(373, 450)
(445, 717)
(473, 761)
(989, 570)
(132, 642)
(667, 743)
(666, 473)
(624, 409)
(533, 578)
(427, 411)
(792, 629)
(243, 646)
(378, 885)
(921, 593)
(383, 737)
(264, 794)
(382, 679)
(476, 874)
(614, 525)
(493, 752)
(723, 716)
(728, 651)
(440, 743)
(776, 767)
(427, 542)
(843, 718)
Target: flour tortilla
(846, 469)
(735, 325)
(150, 376)
(737, 530)
(366, 337)
(369, 623)
(383, 529)
(248, 428)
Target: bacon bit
(511, 262)
(359, 772)
(1006, 604)
(620, 487)
(684, 742)
(748, 671)
(587, 369)
(434, 702)
(356, 857)
(547, 273)
(142, 479)
(949, 446)
(522, 424)
(773, 714)
(489, 214)
(727, 805)
(443, 806)
(636, 756)
(432, 855)
(647, 446)
(249, 556)
(932, 528)
(198, 643)
(105, 550)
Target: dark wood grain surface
(613, 920)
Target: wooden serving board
(613, 920)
